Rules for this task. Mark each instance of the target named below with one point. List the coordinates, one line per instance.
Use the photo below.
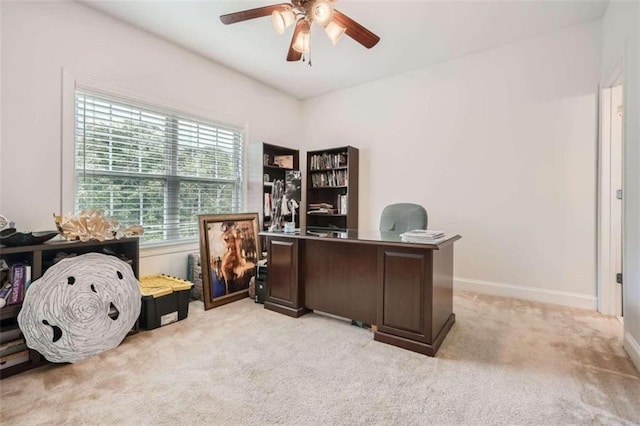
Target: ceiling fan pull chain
(309, 58)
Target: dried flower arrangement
(92, 224)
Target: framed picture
(229, 253)
(284, 161)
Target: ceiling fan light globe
(322, 12)
(281, 19)
(301, 43)
(334, 31)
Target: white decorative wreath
(80, 307)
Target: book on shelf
(14, 359)
(328, 161)
(4, 275)
(422, 236)
(329, 179)
(18, 280)
(267, 204)
(5, 293)
(342, 204)
(27, 278)
(12, 346)
(9, 331)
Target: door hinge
(619, 194)
(619, 278)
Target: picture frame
(229, 252)
(283, 161)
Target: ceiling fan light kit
(304, 13)
(321, 12)
(281, 19)
(334, 31)
(301, 41)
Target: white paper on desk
(423, 233)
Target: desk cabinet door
(283, 291)
(415, 297)
(404, 307)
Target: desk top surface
(361, 236)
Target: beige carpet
(504, 362)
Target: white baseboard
(574, 300)
(633, 349)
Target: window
(156, 168)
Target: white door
(617, 115)
(610, 190)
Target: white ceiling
(414, 34)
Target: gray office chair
(402, 217)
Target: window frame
(74, 81)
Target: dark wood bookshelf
(332, 178)
(276, 172)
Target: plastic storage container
(165, 300)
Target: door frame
(605, 276)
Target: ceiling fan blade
(293, 54)
(355, 30)
(245, 15)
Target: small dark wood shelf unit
(40, 257)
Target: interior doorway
(611, 193)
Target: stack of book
(422, 236)
(321, 208)
(333, 178)
(13, 349)
(327, 161)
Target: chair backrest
(402, 217)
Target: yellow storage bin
(165, 300)
(161, 285)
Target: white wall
(1, 107)
(40, 39)
(499, 147)
(621, 36)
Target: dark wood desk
(404, 290)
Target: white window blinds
(153, 167)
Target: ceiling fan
(304, 13)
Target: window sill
(164, 248)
